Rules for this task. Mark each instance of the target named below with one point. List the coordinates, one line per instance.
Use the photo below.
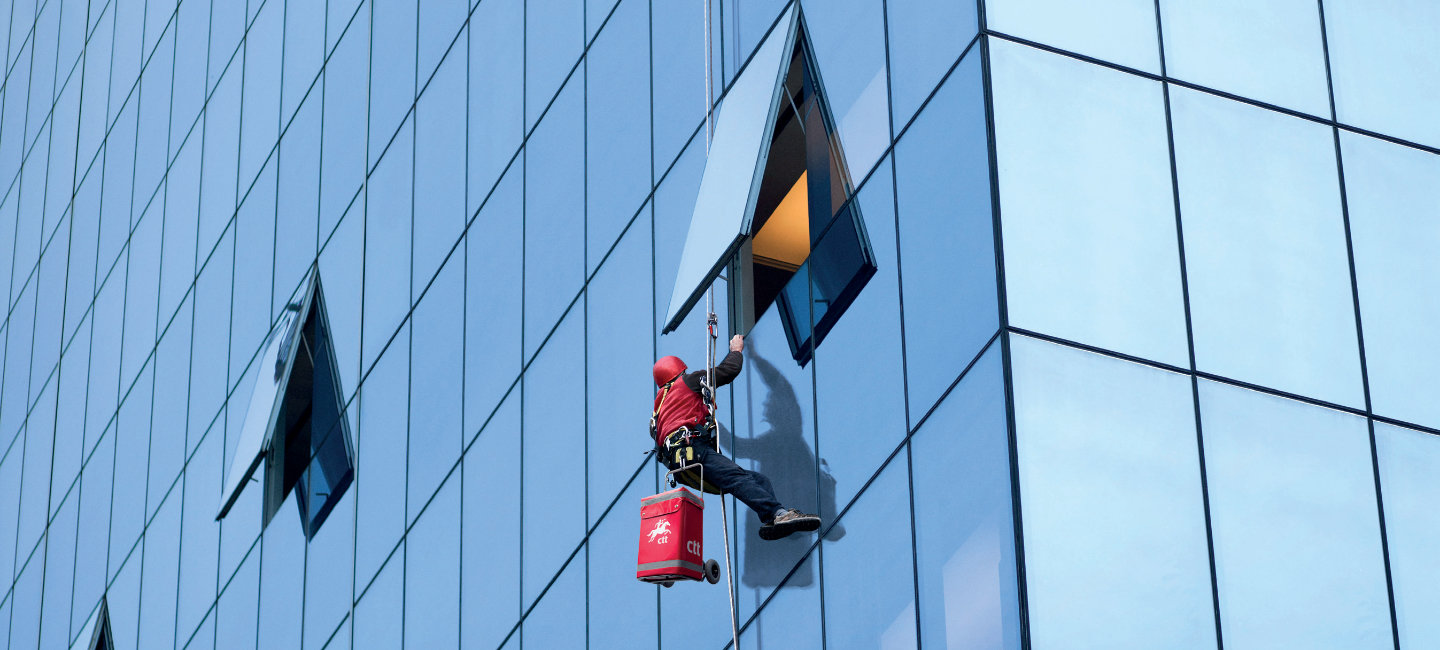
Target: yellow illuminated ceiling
(785, 237)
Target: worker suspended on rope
(683, 426)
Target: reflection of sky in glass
(1410, 489)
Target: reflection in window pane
(1093, 258)
(1390, 191)
(964, 531)
(1265, 248)
(790, 620)
(1270, 51)
(1297, 538)
(1109, 472)
(1119, 31)
(1383, 62)
(945, 224)
(1411, 488)
(869, 588)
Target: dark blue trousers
(751, 488)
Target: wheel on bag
(712, 571)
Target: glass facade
(1143, 356)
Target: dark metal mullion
(1017, 514)
(1359, 330)
(1189, 331)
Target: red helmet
(668, 368)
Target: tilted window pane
(1410, 489)
(1385, 66)
(1119, 31)
(1296, 532)
(1270, 51)
(849, 43)
(734, 164)
(1265, 248)
(294, 420)
(1390, 191)
(1093, 256)
(1109, 472)
(964, 524)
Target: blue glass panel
(493, 252)
(380, 611)
(1093, 258)
(964, 532)
(347, 81)
(439, 170)
(596, 12)
(869, 575)
(1270, 51)
(154, 127)
(925, 40)
(947, 242)
(341, 262)
(10, 471)
(142, 282)
(554, 39)
(282, 580)
(733, 166)
(392, 71)
(211, 338)
(555, 621)
(157, 586)
(27, 592)
(127, 56)
(252, 298)
(35, 483)
(18, 344)
(123, 595)
(773, 427)
(677, 61)
(115, 200)
(440, 24)
(59, 576)
(432, 584)
(388, 227)
(554, 522)
(1102, 440)
(167, 425)
(304, 53)
(1265, 248)
(297, 201)
(60, 179)
(192, 41)
(49, 311)
(622, 609)
(554, 220)
(497, 93)
(674, 203)
(200, 536)
(260, 105)
(1389, 190)
(790, 620)
(1120, 31)
(132, 445)
(849, 46)
(236, 613)
(329, 570)
(1278, 471)
(93, 122)
(182, 196)
(95, 487)
(617, 131)
(618, 381)
(219, 172)
(74, 376)
(436, 377)
(380, 447)
(1409, 487)
(490, 533)
(1384, 65)
(859, 374)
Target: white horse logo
(661, 528)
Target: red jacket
(681, 405)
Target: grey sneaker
(789, 522)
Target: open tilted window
(775, 205)
(95, 633)
(294, 423)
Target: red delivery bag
(670, 537)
